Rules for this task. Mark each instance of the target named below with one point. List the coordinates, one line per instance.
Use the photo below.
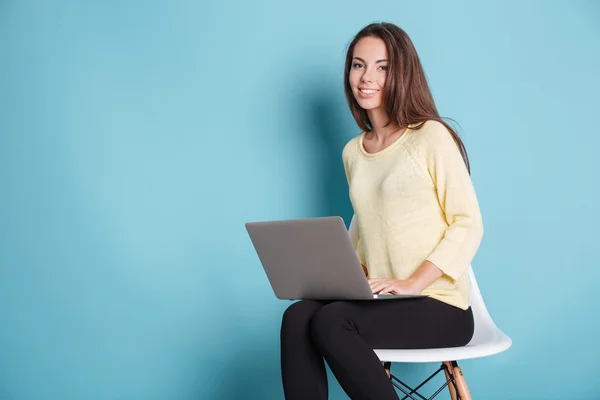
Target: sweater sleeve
(458, 201)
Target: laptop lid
(311, 258)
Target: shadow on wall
(328, 131)
(254, 372)
(251, 373)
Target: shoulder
(432, 136)
(432, 131)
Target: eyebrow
(378, 61)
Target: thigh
(405, 324)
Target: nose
(366, 77)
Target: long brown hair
(406, 97)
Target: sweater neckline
(385, 150)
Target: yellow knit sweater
(415, 201)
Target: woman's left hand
(394, 286)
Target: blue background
(137, 138)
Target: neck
(378, 119)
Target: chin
(368, 105)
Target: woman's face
(368, 72)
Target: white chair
(487, 340)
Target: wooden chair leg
(461, 384)
(388, 367)
(451, 388)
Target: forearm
(425, 275)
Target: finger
(374, 282)
(378, 287)
(387, 289)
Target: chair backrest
(485, 327)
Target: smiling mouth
(368, 91)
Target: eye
(385, 68)
(356, 65)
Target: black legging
(345, 334)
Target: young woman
(419, 227)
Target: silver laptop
(312, 258)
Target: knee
(332, 320)
(299, 314)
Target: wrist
(416, 283)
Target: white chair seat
(497, 344)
